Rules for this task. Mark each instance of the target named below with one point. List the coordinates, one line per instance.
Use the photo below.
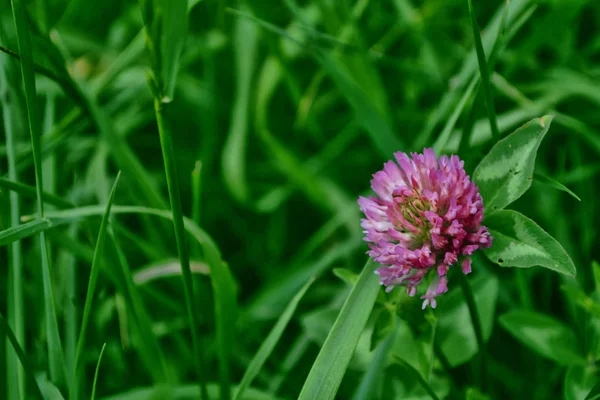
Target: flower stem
(475, 320)
(166, 143)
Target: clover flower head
(426, 217)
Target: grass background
(281, 112)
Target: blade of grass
(475, 320)
(484, 72)
(224, 287)
(87, 309)
(55, 354)
(546, 180)
(93, 396)
(166, 142)
(416, 375)
(368, 387)
(30, 191)
(150, 350)
(234, 156)
(330, 366)
(19, 232)
(266, 348)
(5, 328)
(469, 68)
(16, 382)
(197, 192)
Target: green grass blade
(30, 191)
(16, 381)
(234, 156)
(5, 328)
(484, 71)
(477, 327)
(224, 287)
(270, 342)
(19, 232)
(87, 310)
(449, 126)
(197, 192)
(150, 350)
(416, 375)
(330, 366)
(93, 396)
(166, 142)
(546, 180)
(469, 68)
(55, 354)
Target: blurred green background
(281, 113)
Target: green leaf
(19, 232)
(97, 371)
(270, 342)
(545, 335)
(455, 333)
(346, 275)
(6, 330)
(594, 393)
(579, 383)
(474, 394)
(234, 150)
(224, 287)
(385, 324)
(506, 172)
(30, 191)
(484, 71)
(166, 143)
(415, 375)
(95, 270)
(330, 366)
(546, 180)
(182, 392)
(55, 353)
(520, 242)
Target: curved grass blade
(234, 156)
(416, 375)
(330, 366)
(270, 342)
(30, 191)
(5, 328)
(92, 284)
(55, 353)
(484, 71)
(224, 288)
(546, 180)
(93, 396)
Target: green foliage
(506, 172)
(262, 125)
(328, 370)
(520, 242)
(547, 336)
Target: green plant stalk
(16, 380)
(484, 70)
(476, 321)
(95, 270)
(97, 371)
(5, 330)
(166, 144)
(55, 355)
